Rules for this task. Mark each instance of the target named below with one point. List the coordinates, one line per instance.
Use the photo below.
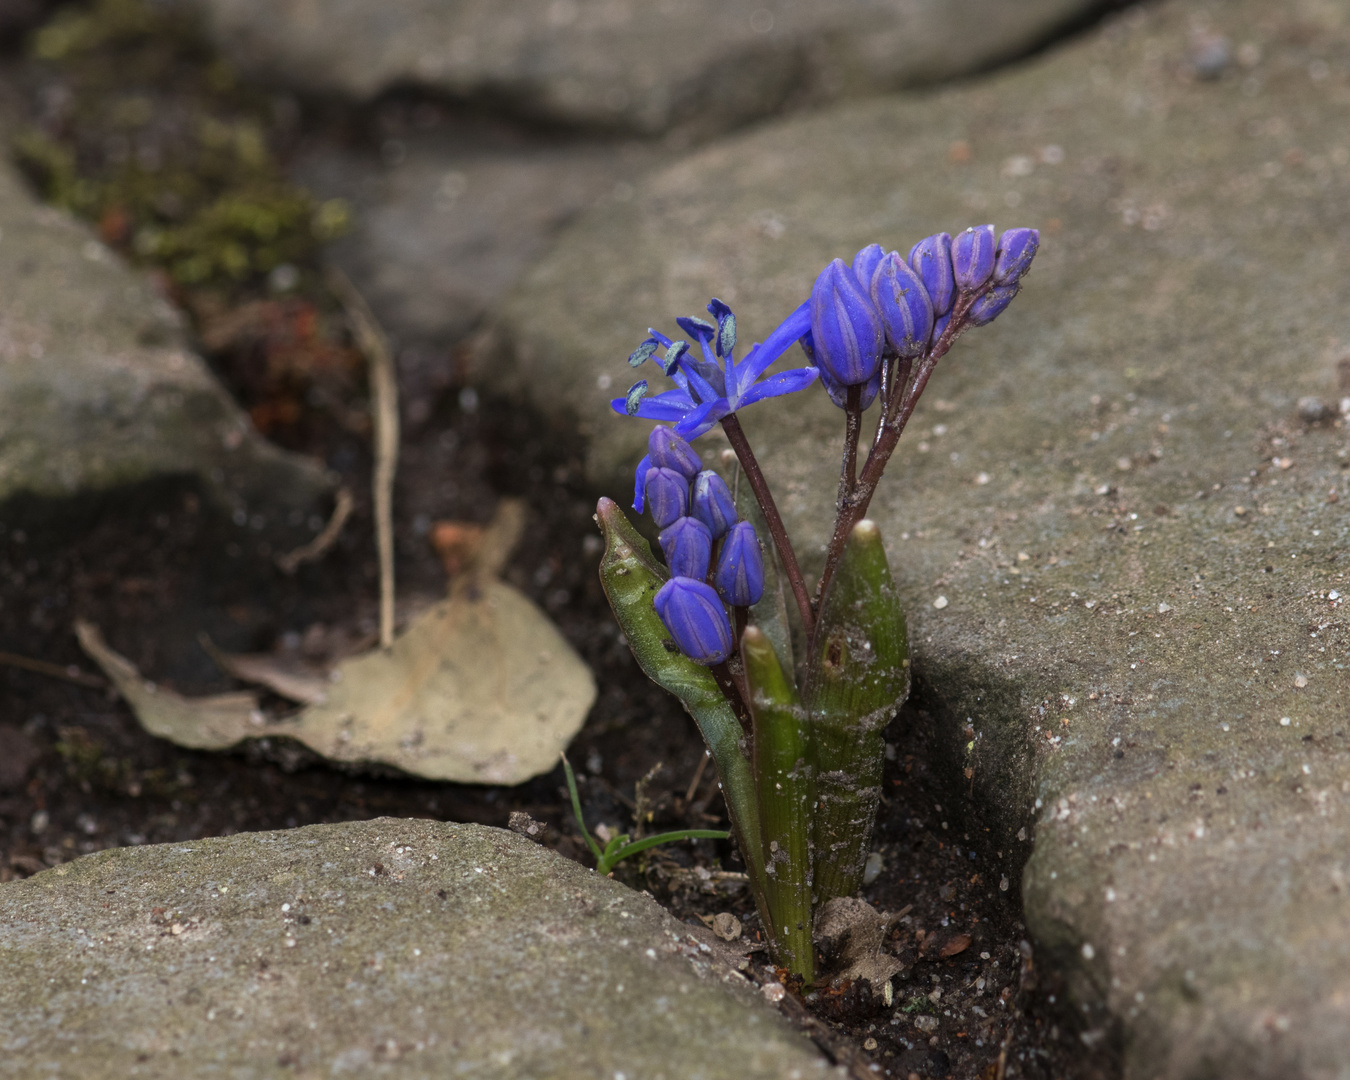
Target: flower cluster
(884, 305)
(714, 558)
(864, 322)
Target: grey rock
(397, 948)
(447, 222)
(1120, 545)
(100, 390)
(638, 65)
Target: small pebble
(940, 602)
(1300, 681)
(1284, 721)
(869, 1043)
(773, 991)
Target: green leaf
(631, 577)
(669, 838)
(576, 811)
(858, 678)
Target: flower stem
(848, 474)
(731, 690)
(896, 415)
(774, 520)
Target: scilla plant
(792, 698)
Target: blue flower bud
(906, 311)
(941, 325)
(1016, 249)
(931, 259)
(687, 545)
(667, 495)
(845, 326)
(973, 257)
(668, 451)
(839, 394)
(989, 306)
(643, 352)
(634, 397)
(739, 576)
(865, 264)
(696, 619)
(712, 503)
(726, 326)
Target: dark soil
(156, 566)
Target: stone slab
(446, 222)
(392, 948)
(100, 390)
(638, 65)
(1122, 542)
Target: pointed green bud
(857, 679)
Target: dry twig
(384, 405)
(319, 546)
(70, 673)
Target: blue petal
(640, 485)
(701, 420)
(670, 405)
(774, 346)
(785, 382)
(701, 389)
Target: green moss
(156, 141)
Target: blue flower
(906, 310)
(990, 306)
(1016, 249)
(845, 325)
(973, 257)
(931, 259)
(696, 619)
(668, 492)
(687, 546)
(666, 450)
(716, 385)
(712, 503)
(706, 390)
(739, 576)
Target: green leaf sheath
(784, 788)
(631, 576)
(857, 679)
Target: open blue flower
(716, 385)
